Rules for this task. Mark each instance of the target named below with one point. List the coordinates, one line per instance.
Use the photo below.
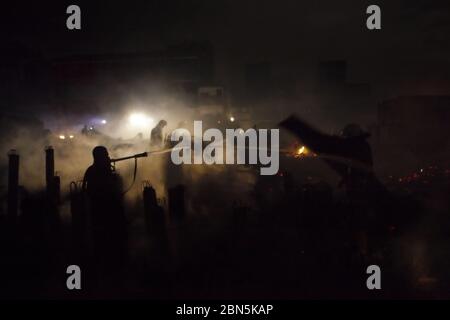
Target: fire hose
(135, 157)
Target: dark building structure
(413, 131)
(82, 82)
(258, 79)
(22, 70)
(332, 73)
(335, 92)
(178, 70)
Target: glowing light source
(232, 119)
(303, 152)
(71, 136)
(104, 121)
(62, 137)
(139, 120)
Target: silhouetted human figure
(104, 190)
(156, 136)
(174, 174)
(85, 130)
(350, 156)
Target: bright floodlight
(232, 119)
(139, 120)
(104, 121)
(62, 137)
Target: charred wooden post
(52, 192)
(52, 181)
(49, 169)
(154, 213)
(13, 185)
(57, 189)
(176, 202)
(156, 228)
(78, 211)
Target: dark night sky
(412, 49)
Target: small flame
(303, 151)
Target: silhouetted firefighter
(104, 189)
(156, 136)
(350, 156)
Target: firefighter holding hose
(103, 188)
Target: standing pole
(176, 202)
(49, 170)
(52, 190)
(13, 185)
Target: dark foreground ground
(294, 241)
